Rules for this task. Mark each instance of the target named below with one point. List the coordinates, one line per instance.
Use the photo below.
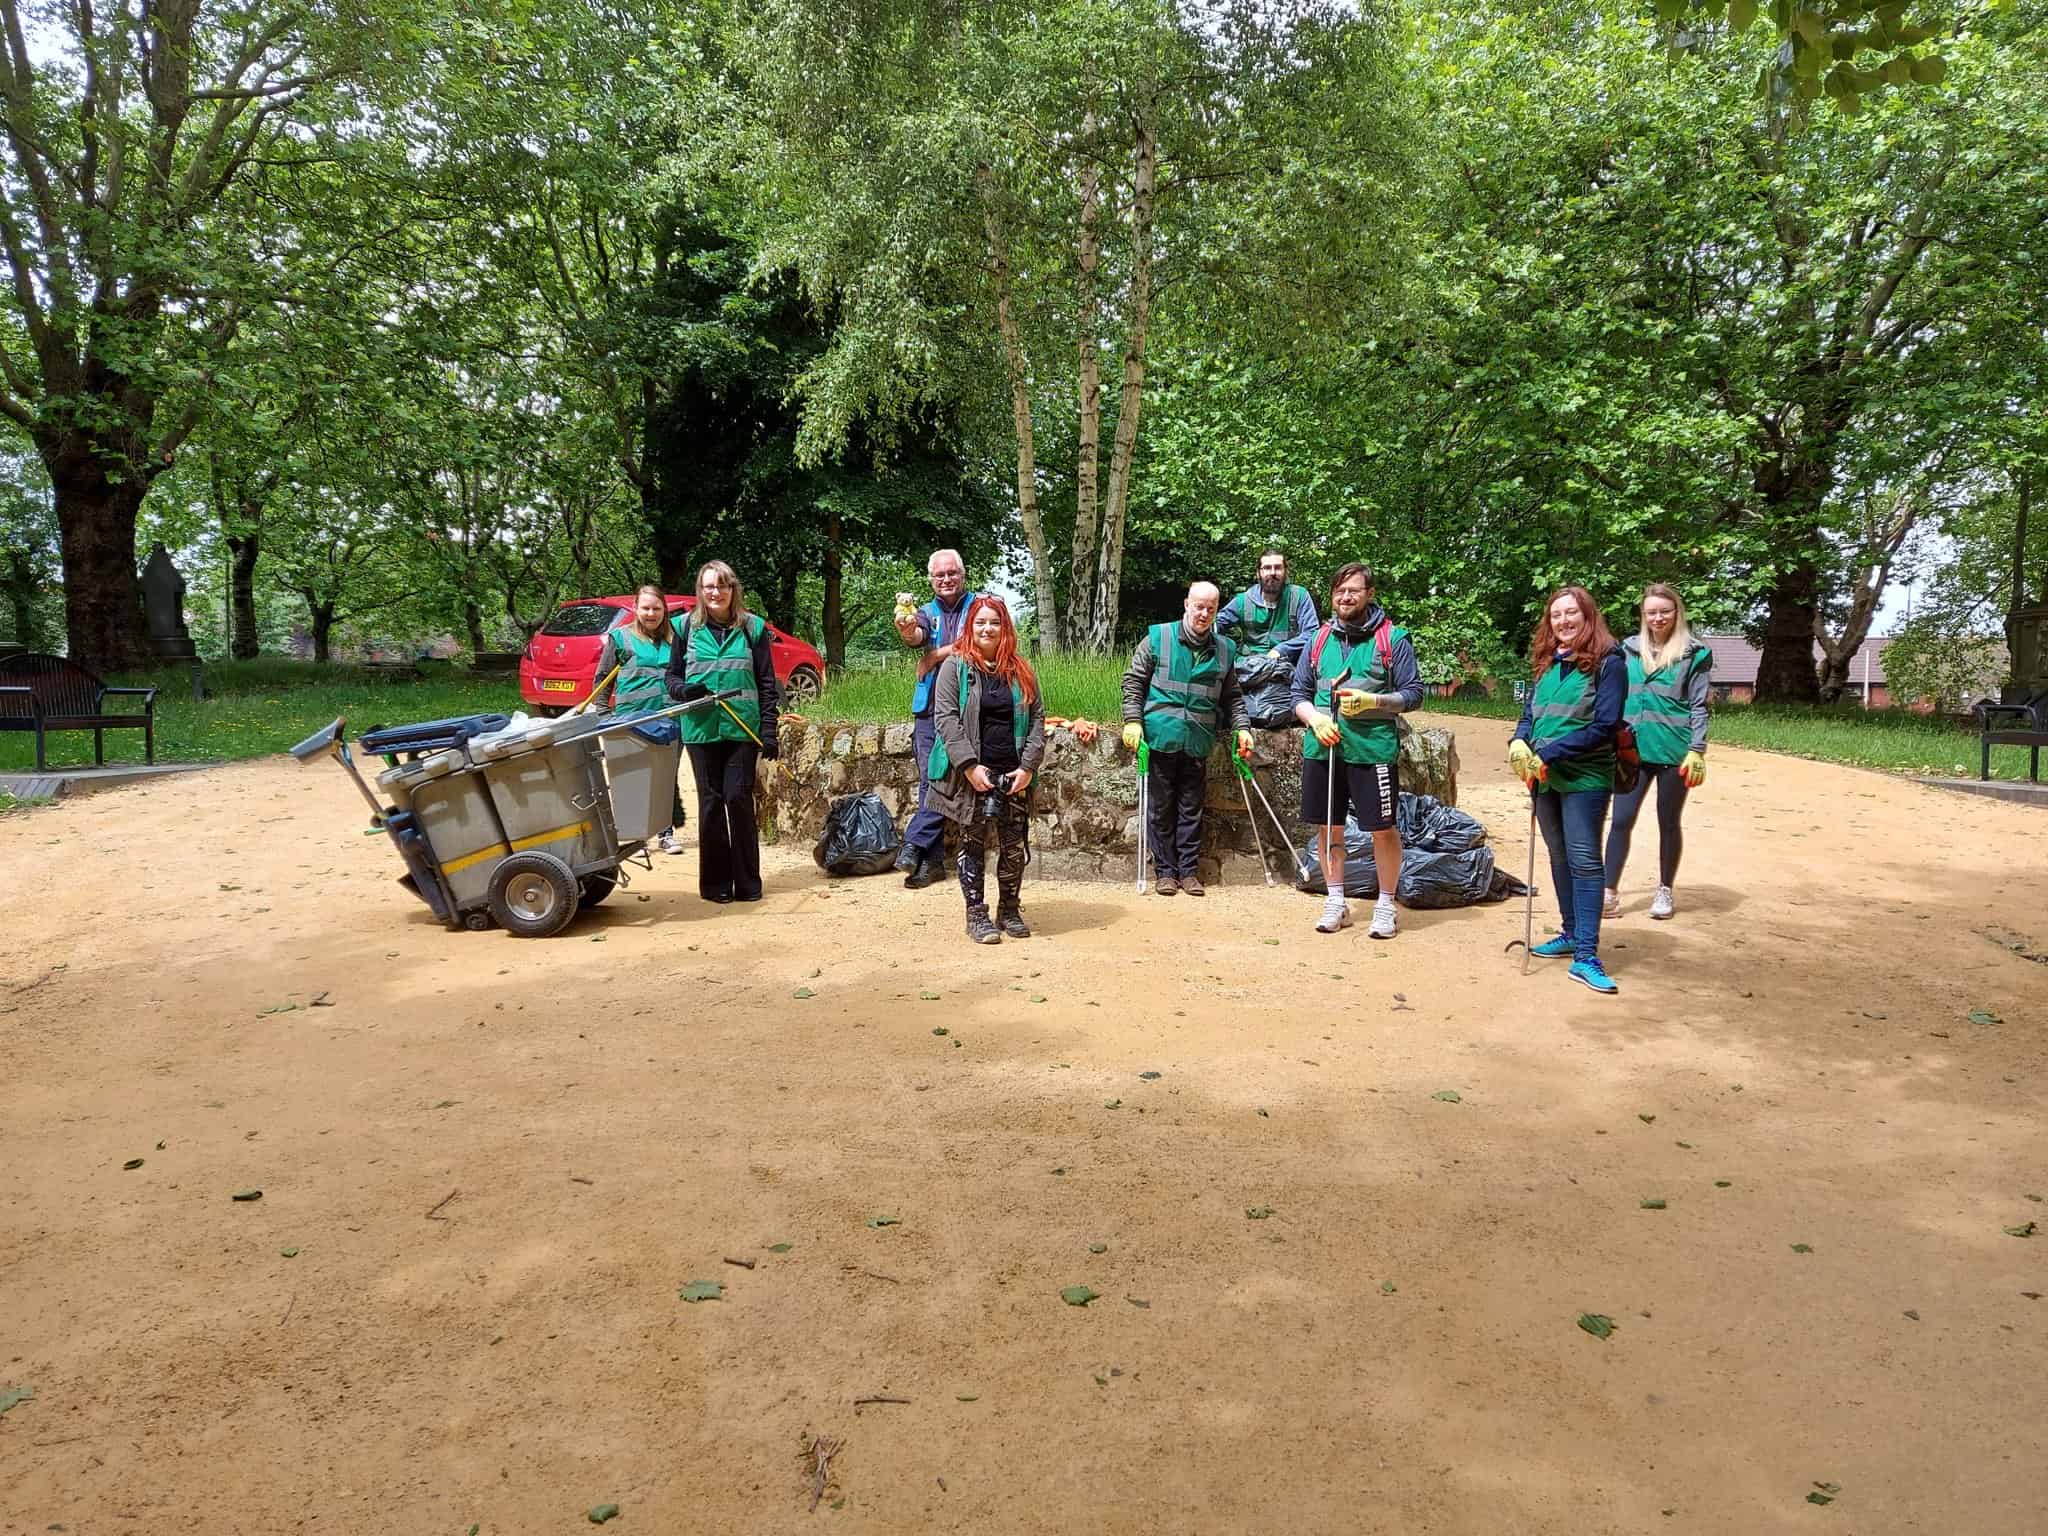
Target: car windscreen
(582, 619)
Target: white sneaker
(1660, 904)
(1611, 906)
(1383, 922)
(668, 843)
(1336, 914)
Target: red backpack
(1382, 644)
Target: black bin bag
(860, 836)
(1268, 687)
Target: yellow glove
(1522, 760)
(1244, 745)
(1353, 702)
(1133, 734)
(1325, 728)
(1693, 769)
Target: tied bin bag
(860, 837)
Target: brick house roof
(1735, 660)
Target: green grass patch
(10, 803)
(1085, 687)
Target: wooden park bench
(2023, 724)
(52, 693)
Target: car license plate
(558, 685)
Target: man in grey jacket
(1180, 690)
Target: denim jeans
(1571, 826)
(926, 829)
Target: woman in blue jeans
(1563, 749)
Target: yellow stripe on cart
(501, 850)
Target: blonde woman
(1669, 678)
(640, 650)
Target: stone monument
(2029, 682)
(163, 606)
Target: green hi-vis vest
(940, 763)
(1660, 705)
(719, 665)
(1184, 702)
(1262, 628)
(642, 683)
(1564, 702)
(1362, 740)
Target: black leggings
(1671, 793)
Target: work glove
(1133, 734)
(1524, 763)
(771, 749)
(1693, 769)
(1325, 728)
(1244, 745)
(1353, 702)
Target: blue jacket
(941, 629)
(1303, 620)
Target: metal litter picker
(517, 827)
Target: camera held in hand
(990, 806)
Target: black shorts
(1367, 791)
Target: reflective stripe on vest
(718, 665)
(1184, 700)
(1262, 628)
(1565, 701)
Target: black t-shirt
(998, 724)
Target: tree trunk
(473, 624)
(1785, 672)
(1109, 565)
(1043, 596)
(102, 594)
(323, 628)
(21, 596)
(782, 597)
(2025, 495)
(243, 642)
(833, 614)
(1088, 346)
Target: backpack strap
(1315, 654)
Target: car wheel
(551, 711)
(595, 889)
(805, 685)
(533, 895)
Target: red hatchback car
(560, 663)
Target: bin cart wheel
(533, 895)
(478, 922)
(595, 889)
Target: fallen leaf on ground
(1653, 1203)
(942, 1030)
(132, 1163)
(1984, 1016)
(885, 1221)
(1723, 1183)
(2022, 1231)
(803, 992)
(288, 1253)
(1098, 1247)
(1596, 1324)
(1647, 1119)
(1077, 1295)
(602, 1513)
(703, 1290)
(1448, 1096)
(1802, 1247)
(928, 997)
(13, 1396)
(1258, 1212)
(1149, 1076)
(248, 1194)
(1387, 1287)
(779, 1247)
(1141, 1305)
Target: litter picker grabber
(1304, 867)
(590, 701)
(1528, 892)
(1244, 778)
(1330, 801)
(1144, 807)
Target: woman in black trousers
(720, 648)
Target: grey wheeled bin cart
(641, 763)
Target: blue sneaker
(1591, 973)
(1554, 949)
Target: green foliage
(1927, 660)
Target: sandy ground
(597, 1120)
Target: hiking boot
(1011, 920)
(908, 858)
(929, 871)
(1591, 973)
(1192, 886)
(1169, 885)
(1336, 915)
(980, 929)
(1661, 905)
(1384, 924)
(667, 842)
(1558, 948)
(1611, 907)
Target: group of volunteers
(1594, 708)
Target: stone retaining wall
(1085, 800)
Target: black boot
(971, 856)
(979, 928)
(929, 871)
(1010, 918)
(908, 858)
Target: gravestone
(163, 606)
(2029, 655)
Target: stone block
(898, 740)
(867, 741)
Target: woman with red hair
(1564, 751)
(990, 740)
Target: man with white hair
(930, 628)
(1179, 691)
